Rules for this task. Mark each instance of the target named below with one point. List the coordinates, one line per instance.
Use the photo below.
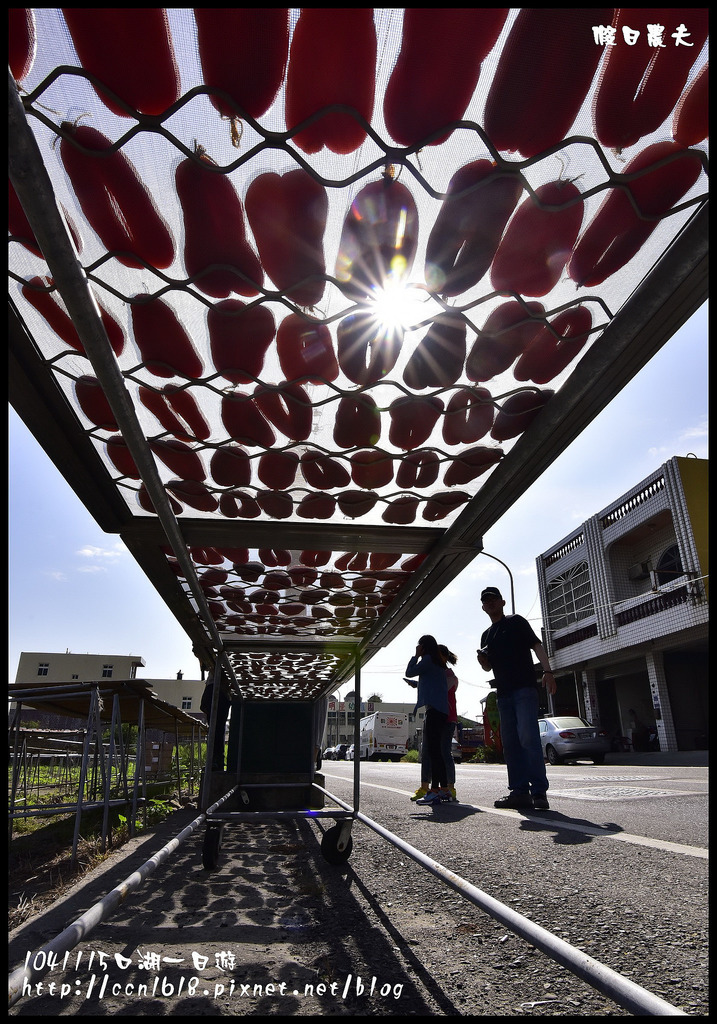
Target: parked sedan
(568, 738)
(350, 753)
(330, 754)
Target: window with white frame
(570, 597)
(43, 668)
(186, 703)
(107, 671)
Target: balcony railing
(634, 501)
(564, 549)
(576, 637)
(659, 603)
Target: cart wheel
(329, 846)
(212, 843)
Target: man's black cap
(491, 592)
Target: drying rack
(291, 555)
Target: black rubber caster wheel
(329, 846)
(211, 847)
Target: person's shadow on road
(569, 831)
(445, 812)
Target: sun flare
(398, 305)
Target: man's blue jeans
(519, 711)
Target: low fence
(116, 760)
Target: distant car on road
(350, 753)
(569, 738)
(340, 752)
(329, 754)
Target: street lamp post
(551, 705)
(510, 575)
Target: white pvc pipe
(80, 929)
(624, 992)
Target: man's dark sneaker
(540, 802)
(517, 801)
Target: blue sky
(71, 586)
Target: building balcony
(662, 612)
(643, 608)
(576, 634)
(654, 616)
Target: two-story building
(34, 666)
(51, 667)
(625, 604)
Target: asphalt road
(644, 800)
(617, 868)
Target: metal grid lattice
(294, 473)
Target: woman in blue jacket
(429, 667)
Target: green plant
(190, 758)
(410, 757)
(154, 811)
(486, 755)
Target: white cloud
(100, 555)
(59, 577)
(692, 439)
(694, 444)
(91, 551)
(702, 430)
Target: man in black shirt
(507, 650)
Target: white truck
(383, 736)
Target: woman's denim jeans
(519, 711)
(447, 734)
(446, 742)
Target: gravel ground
(379, 934)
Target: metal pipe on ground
(82, 928)
(625, 993)
(639, 1001)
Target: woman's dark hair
(448, 656)
(430, 649)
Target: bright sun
(398, 305)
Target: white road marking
(540, 819)
(618, 792)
